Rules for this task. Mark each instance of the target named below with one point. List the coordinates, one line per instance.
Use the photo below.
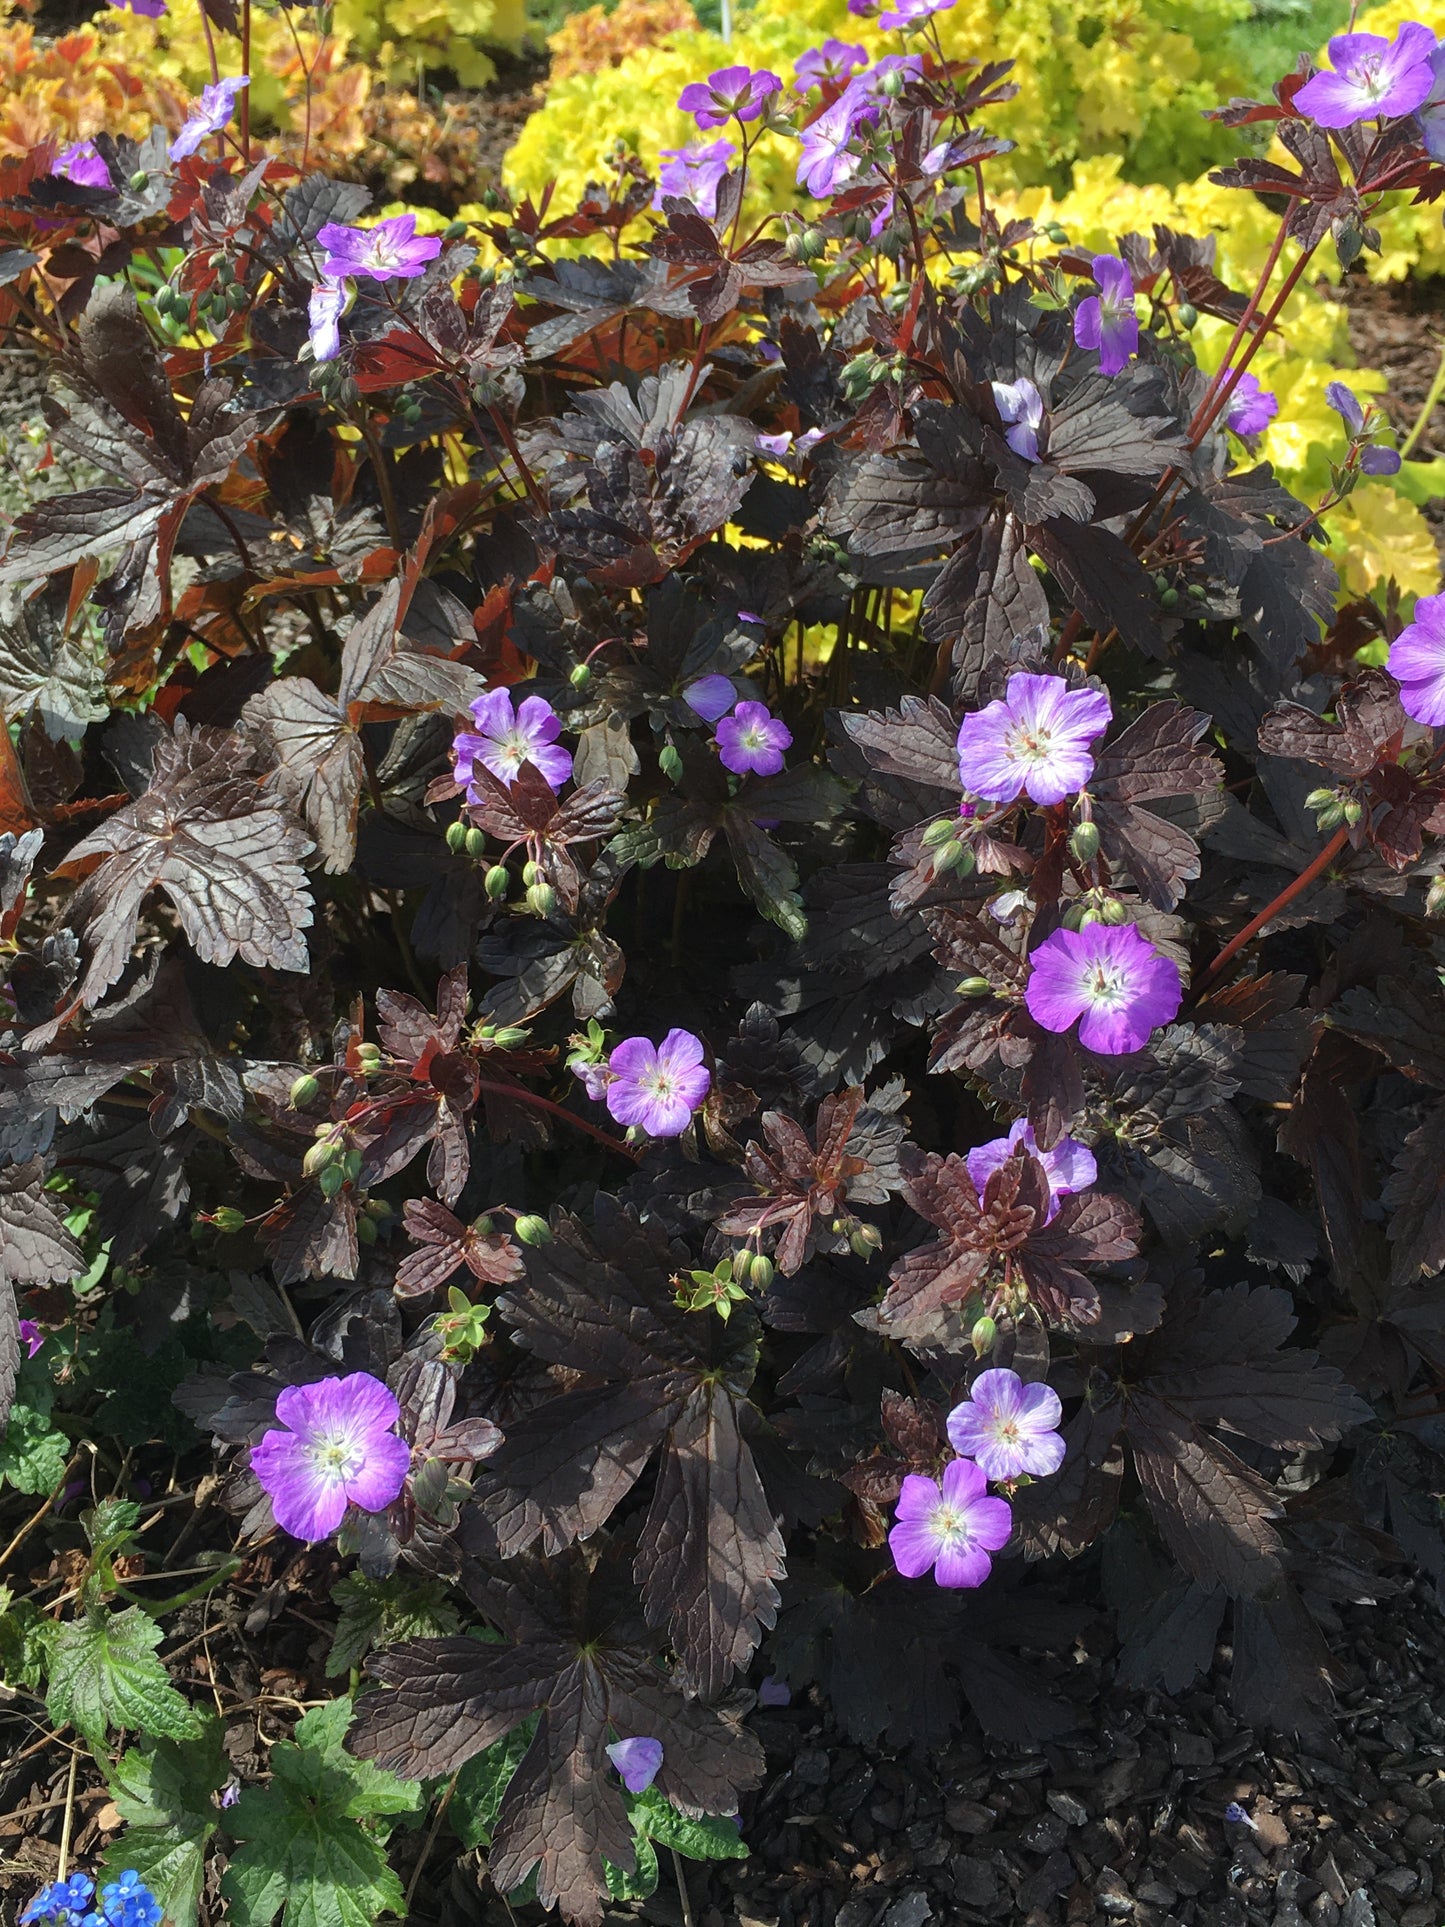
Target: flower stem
(520, 1094)
(1422, 420)
(1271, 910)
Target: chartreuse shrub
(713, 949)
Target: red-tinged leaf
(446, 1245)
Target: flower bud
(861, 375)
(320, 1156)
(1188, 314)
(366, 1230)
(474, 843)
(541, 899)
(864, 1240)
(227, 1218)
(509, 1036)
(455, 231)
(1320, 799)
(1057, 233)
(580, 675)
(531, 873)
(331, 1180)
(139, 180)
(533, 1230)
(761, 1272)
(236, 298)
(1353, 810)
(943, 830)
(1084, 841)
(974, 987)
(303, 1090)
(1169, 599)
(1435, 897)
(892, 83)
(982, 1337)
(496, 882)
(742, 1265)
(456, 836)
(351, 1165)
(1111, 910)
(670, 762)
(368, 1059)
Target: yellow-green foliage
(397, 36)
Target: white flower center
(1105, 986)
(1369, 78)
(514, 749)
(1027, 743)
(660, 1083)
(950, 1526)
(335, 1456)
(382, 251)
(1005, 1430)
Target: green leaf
(707, 1837)
(639, 1884)
(25, 1637)
(380, 1612)
(482, 1782)
(33, 1453)
(308, 1849)
(104, 1673)
(164, 1792)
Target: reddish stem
(1271, 910)
(524, 1096)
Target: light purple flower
(323, 319)
(695, 172)
(658, 1086)
(637, 1761)
(711, 696)
(826, 164)
(1021, 408)
(31, 1336)
(230, 1793)
(339, 1449)
(81, 163)
(1033, 741)
(731, 92)
(834, 60)
(911, 13)
(1068, 1165)
(774, 1692)
(1417, 662)
(392, 250)
(1346, 404)
(213, 110)
(1008, 1428)
(1432, 109)
(504, 739)
(1111, 980)
(1379, 461)
(1251, 407)
(752, 739)
(1107, 320)
(952, 1528)
(594, 1078)
(782, 445)
(1373, 78)
(1236, 1815)
(147, 9)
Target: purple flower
(784, 444)
(953, 1529)
(695, 172)
(81, 163)
(911, 13)
(1417, 662)
(323, 319)
(1432, 110)
(126, 1902)
(826, 164)
(1373, 78)
(339, 1449)
(1106, 320)
(230, 1793)
(774, 1692)
(1109, 978)
(1380, 461)
(752, 738)
(31, 1336)
(1008, 1428)
(658, 1087)
(1251, 407)
(637, 1761)
(1346, 405)
(711, 696)
(1021, 408)
(504, 739)
(147, 9)
(1236, 1815)
(214, 109)
(1034, 741)
(392, 250)
(63, 1901)
(1069, 1166)
(732, 92)
(834, 60)
(594, 1078)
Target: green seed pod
(350, 1166)
(1319, 799)
(975, 987)
(482, 1226)
(943, 829)
(1188, 314)
(793, 247)
(225, 273)
(303, 1090)
(580, 675)
(742, 1265)
(139, 181)
(533, 1230)
(670, 762)
(510, 1036)
(531, 873)
(1169, 599)
(1332, 815)
(1057, 233)
(321, 1155)
(474, 843)
(366, 1230)
(982, 1337)
(1084, 841)
(1161, 583)
(761, 1273)
(228, 1219)
(1353, 809)
(1111, 910)
(331, 1180)
(377, 1208)
(814, 243)
(496, 881)
(865, 1239)
(541, 899)
(1198, 591)
(455, 231)
(1435, 897)
(956, 856)
(456, 836)
(891, 83)
(1077, 915)
(368, 1059)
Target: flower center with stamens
(1105, 985)
(1027, 743)
(335, 1456)
(949, 1526)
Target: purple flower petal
(1033, 741)
(1108, 979)
(834, 60)
(81, 163)
(730, 93)
(637, 1761)
(1417, 662)
(1344, 403)
(752, 740)
(711, 696)
(338, 1449)
(215, 108)
(1373, 78)
(323, 319)
(658, 1087)
(1107, 320)
(1251, 407)
(1008, 1428)
(31, 1336)
(952, 1527)
(506, 738)
(1068, 1165)
(694, 172)
(1021, 409)
(1380, 461)
(392, 250)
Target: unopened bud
(1435, 897)
(742, 1265)
(496, 881)
(541, 899)
(1353, 810)
(509, 1036)
(1057, 233)
(943, 830)
(351, 1165)
(456, 836)
(982, 1337)
(320, 1157)
(331, 1180)
(955, 856)
(975, 987)
(1332, 815)
(1084, 841)
(580, 676)
(761, 1274)
(227, 1218)
(303, 1090)
(1111, 910)
(366, 1230)
(1320, 799)
(864, 1240)
(891, 83)
(474, 843)
(531, 873)
(455, 231)
(1188, 314)
(139, 180)
(533, 1230)
(368, 1058)
(670, 762)
(1169, 599)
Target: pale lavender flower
(594, 1078)
(1417, 662)
(904, 14)
(392, 250)
(339, 1449)
(1021, 409)
(31, 1336)
(774, 1692)
(782, 445)
(658, 1086)
(730, 93)
(230, 1793)
(1109, 980)
(323, 319)
(1251, 407)
(504, 739)
(1068, 1165)
(1033, 741)
(827, 164)
(1379, 461)
(752, 739)
(711, 697)
(1373, 78)
(637, 1761)
(1346, 404)
(1004, 908)
(147, 9)
(1107, 320)
(695, 172)
(1432, 109)
(81, 163)
(213, 110)
(952, 1528)
(834, 60)
(1008, 1428)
